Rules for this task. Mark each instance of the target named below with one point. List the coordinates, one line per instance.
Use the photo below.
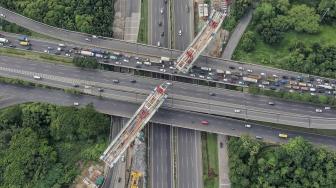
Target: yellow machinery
(135, 177)
(281, 135)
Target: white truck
(86, 53)
(165, 59)
(4, 40)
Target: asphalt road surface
(161, 172)
(157, 17)
(11, 95)
(189, 159)
(224, 101)
(182, 12)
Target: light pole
(327, 10)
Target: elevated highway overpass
(181, 96)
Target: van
(247, 126)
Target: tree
(328, 9)
(303, 19)
(27, 160)
(240, 7)
(248, 41)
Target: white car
(126, 60)
(2, 15)
(67, 55)
(161, 10)
(163, 70)
(37, 77)
(248, 126)
(262, 74)
(318, 110)
(180, 32)
(117, 63)
(225, 79)
(76, 104)
(192, 75)
(237, 110)
(201, 76)
(158, 43)
(94, 36)
(172, 68)
(249, 70)
(240, 68)
(139, 62)
(327, 108)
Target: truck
(23, 38)
(220, 73)
(24, 43)
(86, 53)
(99, 55)
(228, 72)
(4, 40)
(325, 86)
(165, 59)
(251, 78)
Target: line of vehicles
(232, 75)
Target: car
(139, 62)
(67, 54)
(282, 135)
(240, 68)
(138, 66)
(237, 110)
(249, 70)
(158, 43)
(201, 76)
(327, 108)
(161, 10)
(209, 77)
(165, 1)
(87, 39)
(204, 122)
(172, 68)
(162, 34)
(94, 36)
(259, 137)
(187, 9)
(87, 87)
(192, 75)
(133, 81)
(126, 60)
(221, 144)
(225, 80)
(50, 48)
(76, 104)
(119, 179)
(57, 53)
(37, 77)
(115, 81)
(12, 46)
(117, 63)
(29, 48)
(212, 94)
(248, 126)
(262, 74)
(75, 85)
(122, 158)
(180, 32)
(232, 67)
(163, 70)
(100, 89)
(318, 110)
(271, 103)
(160, 23)
(2, 15)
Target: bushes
(295, 164)
(85, 62)
(248, 41)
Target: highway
(158, 23)
(133, 48)
(161, 172)
(11, 95)
(198, 76)
(181, 96)
(189, 158)
(183, 20)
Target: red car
(204, 122)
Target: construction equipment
(135, 178)
(135, 125)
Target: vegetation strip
(210, 160)
(143, 30)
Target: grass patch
(143, 30)
(210, 160)
(271, 55)
(34, 55)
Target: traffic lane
(201, 61)
(161, 157)
(156, 28)
(176, 118)
(177, 88)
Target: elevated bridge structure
(200, 42)
(135, 125)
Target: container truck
(86, 53)
(3, 40)
(252, 78)
(165, 59)
(24, 43)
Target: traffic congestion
(231, 75)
